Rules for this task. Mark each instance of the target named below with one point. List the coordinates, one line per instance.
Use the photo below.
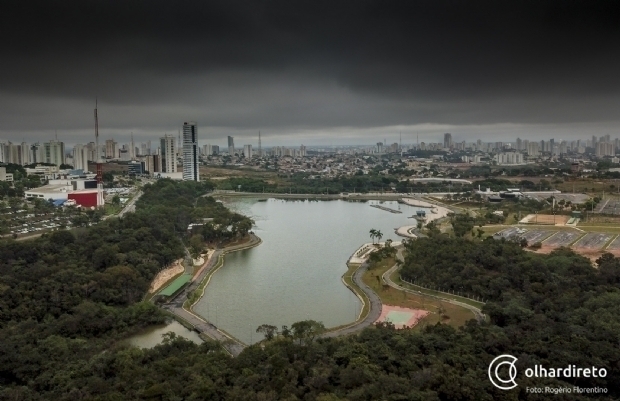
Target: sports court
(544, 219)
(401, 317)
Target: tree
(307, 330)
(379, 235)
(268, 331)
(373, 234)
(196, 244)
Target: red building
(84, 198)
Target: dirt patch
(206, 258)
(165, 275)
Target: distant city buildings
(190, 152)
(247, 151)
(447, 141)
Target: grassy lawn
(111, 209)
(587, 186)
(456, 315)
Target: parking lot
(510, 233)
(609, 207)
(22, 222)
(562, 238)
(593, 240)
(615, 245)
(534, 236)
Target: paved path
(386, 279)
(175, 306)
(373, 313)
(131, 205)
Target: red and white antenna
(99, 161)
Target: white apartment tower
(190, 152)
(80, 157)
(168, 154)
(54, 152)
(247, 151)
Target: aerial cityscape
(310, 201)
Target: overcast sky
(310, 72)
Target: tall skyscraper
(111, 149)
(207, 150)
(190, 152)
(37, 153)
(54, 152)
(247, 151)
(80, 157)
(447, 140)
(26, 153)
(231, 145)
(168, 155)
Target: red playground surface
(401, 317)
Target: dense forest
(68, 298)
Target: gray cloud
(307, 68)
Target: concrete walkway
(201, 325)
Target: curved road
(373, 313)
(386, 279)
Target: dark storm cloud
(308, 64)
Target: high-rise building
(302, 151)
(509, 158)
(247, 151)
(37, 152)
(231, 145)
(216, 149)
(519, 144)
(80, 157)
(26, 153)
(14, 153)
(207, 150)
(447, 140)
(168, 154)
(605, 149)
(54, 152)
(190, 152)
(532, 149)
(111, 151)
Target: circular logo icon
(503, 383)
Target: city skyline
(316, 73)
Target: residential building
(80, 157)
(247, 151)
(168, 155)
(54, 152)
(191, 161)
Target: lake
(295, 274)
